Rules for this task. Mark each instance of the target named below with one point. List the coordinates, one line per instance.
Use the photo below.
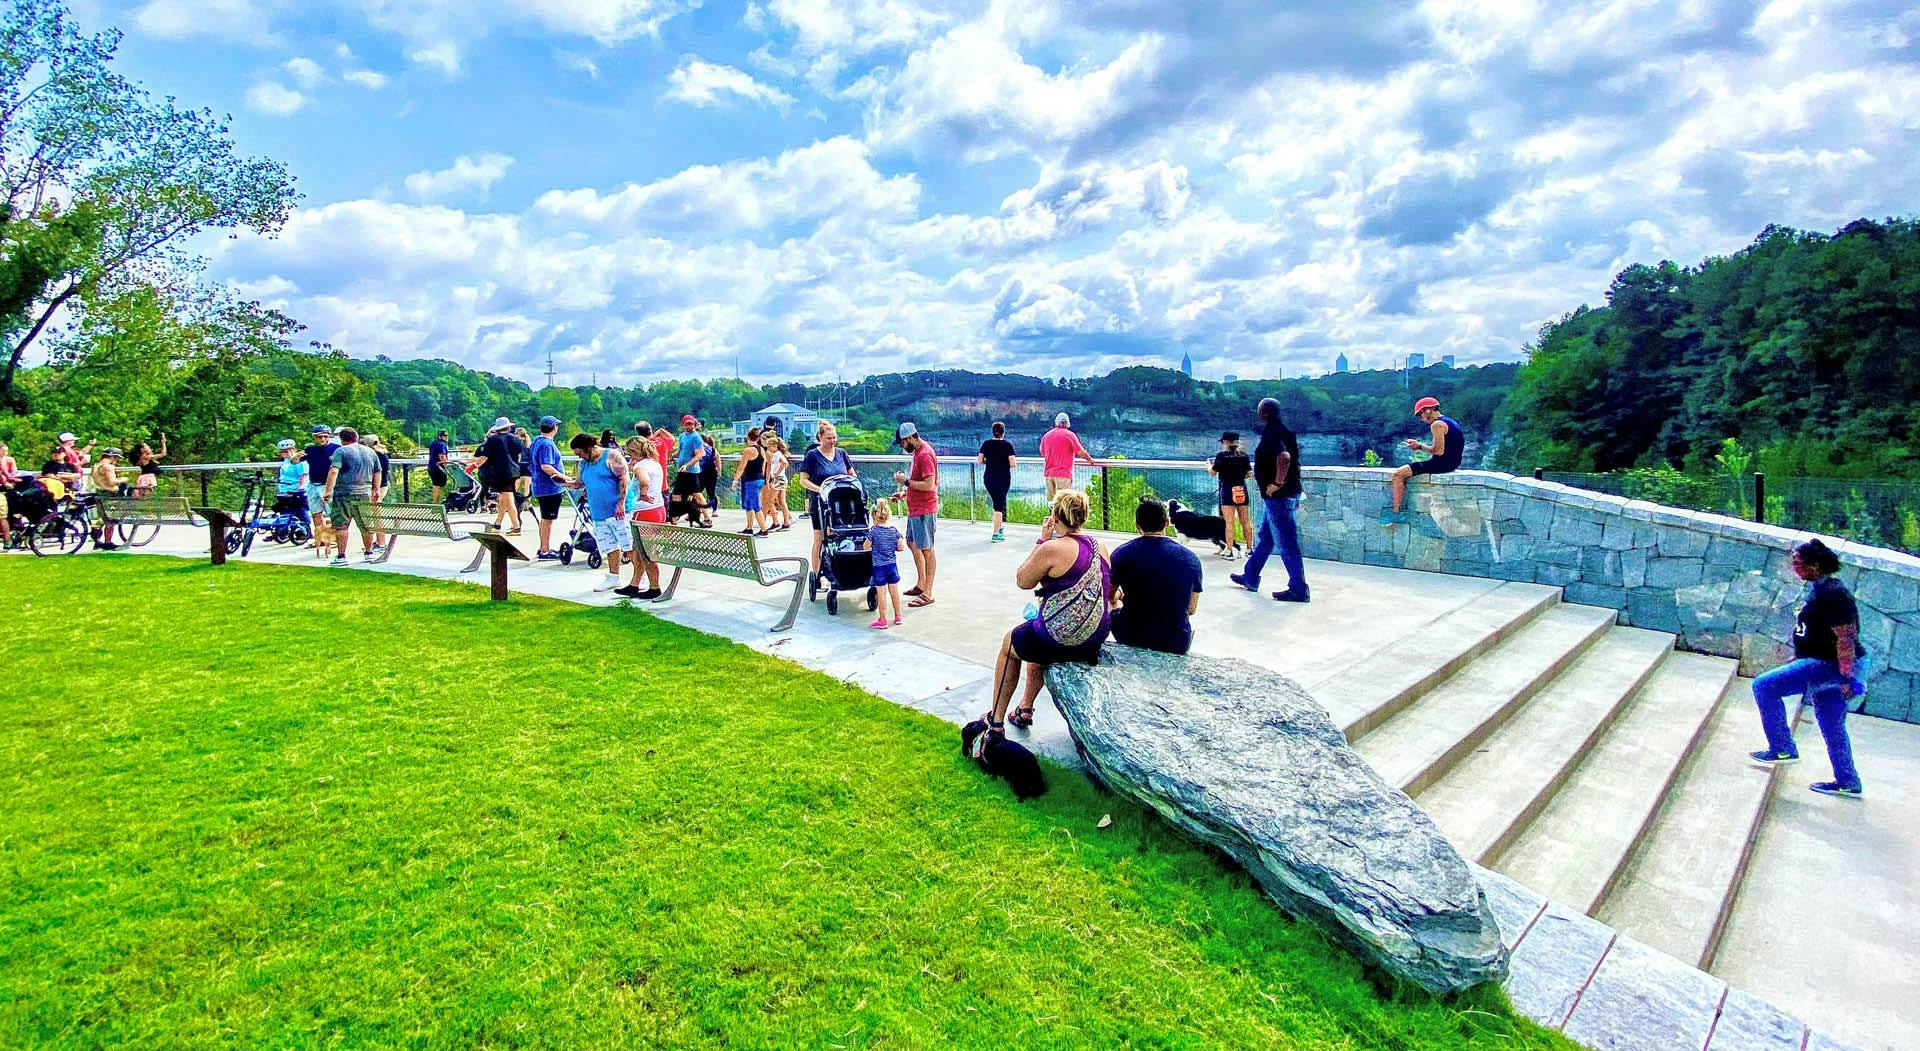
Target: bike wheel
(57, 536)
(298, 533)
(233, 540)
(138, 531)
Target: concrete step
(1415, 747)
(1490, 795)
(1367, 692)
(1677, 890)
(1577, 846)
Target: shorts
(316, 496)
(612, 534)
(438, 476)
(920, 530)
(290, 504)
(997, 495)
(686, 483)
(750, 495)
(1054, 485)
(885, 574)
(549, 506)
(346, 509)
(1034, 647)
(1233, 496)
(1433, 467)
(813, 515)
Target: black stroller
(464, 493)
(580, 541)
(843, 565)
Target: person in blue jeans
(1825, 671)
(1276, 475)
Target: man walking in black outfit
(1276, 473)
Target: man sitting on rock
(1156, 583)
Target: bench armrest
(760, 567)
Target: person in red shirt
(662, 446)
(1058, 449)
(922, 485)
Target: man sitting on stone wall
(1156, 585)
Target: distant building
(793, 422)
(1230, 379)
(1416, 361)
(1446, 361)
(1186, 365)
(1340, 364)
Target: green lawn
(274, 806)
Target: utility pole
(549, 368)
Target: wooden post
(218, 522)
(500, 551)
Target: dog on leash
(1010, 761)
(324, 538)
(1192, 524)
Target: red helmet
(1424, 404)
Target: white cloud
(243, 21)
(443, 56)
(701, 83)
(275, 99)
(469, 174)
(305, 72)
(579, 64)
(366, 78)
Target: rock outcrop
(1245, 760)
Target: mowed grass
(287, 807)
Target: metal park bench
(422, 520)
(728, 554)
(139, 518)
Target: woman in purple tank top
(1074, 584)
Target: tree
(139, 179)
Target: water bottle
(1032, 612)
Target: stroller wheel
(873, 599)
(594, 560)
(833, 603)
(566, 553)
(813, 587)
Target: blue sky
(657, 189)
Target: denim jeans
(1821, 685)
(1277, 529)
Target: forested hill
(1366, 407)
(1804, 346)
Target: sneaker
(764, 532)
(627, 592)
(997, 538)
(1242, 582)
(1291, 596)
(649, 595)
(746, 532)
(607, 583)
(103, 546)
(546, 556)
(1769, 759)
(338, 560)
(1835, 788)
(378, 548)
(879, 623)
(897, 621)
(371, 556)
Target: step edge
(1490, 856)
(1718, 931)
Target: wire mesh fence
(1880, 513)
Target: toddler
(886, 543)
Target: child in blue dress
(886, 543)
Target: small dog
(323, 536)
(1007, 760)
(1211, 528)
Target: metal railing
(1871, 511)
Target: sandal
(912, 592)
(1021, 717)
(923, 600)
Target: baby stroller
(464, 494)
(580, 539)
(843, 565)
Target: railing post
(1539, 474)
(973, 475)
(1759, 497)
(205, 501)
(1106, 498)
(406, 484)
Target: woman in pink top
(1058, 448)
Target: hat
(321, 428)
(907, 430)
(1060, 420)
(549, 421)
(1229, 436)
(688, 418)
(284, 444)
(500, 423)
(111, 451)
(68, 436)
(369, 439)
(1424, 404)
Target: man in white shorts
(603, 480)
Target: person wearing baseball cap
(687, 483)
(1448, 443)
(549, 482)
(319, 457)
(497, 464)
(922, 485)
(1058, 449)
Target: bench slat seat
(422, 520)
(161, 510)
(727, 554)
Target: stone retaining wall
(1721, 584)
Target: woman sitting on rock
(1074, 581)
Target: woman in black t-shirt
(998, 462)
(497, 464)
(1232, 465)
(1825, 671)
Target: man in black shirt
(1156, 582)
(1276, 475)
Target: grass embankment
(268, 806)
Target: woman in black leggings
(996, 456)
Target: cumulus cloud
(469, 174)
(275, 99)
(701, 83)
(305, 72)
(366, 78)
(244, 21)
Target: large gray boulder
(1245, 760)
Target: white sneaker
(371, 556)
(607, 583)
(338, 560)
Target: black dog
(1211, 528)
(1007, 760)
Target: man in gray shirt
(349, 489)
